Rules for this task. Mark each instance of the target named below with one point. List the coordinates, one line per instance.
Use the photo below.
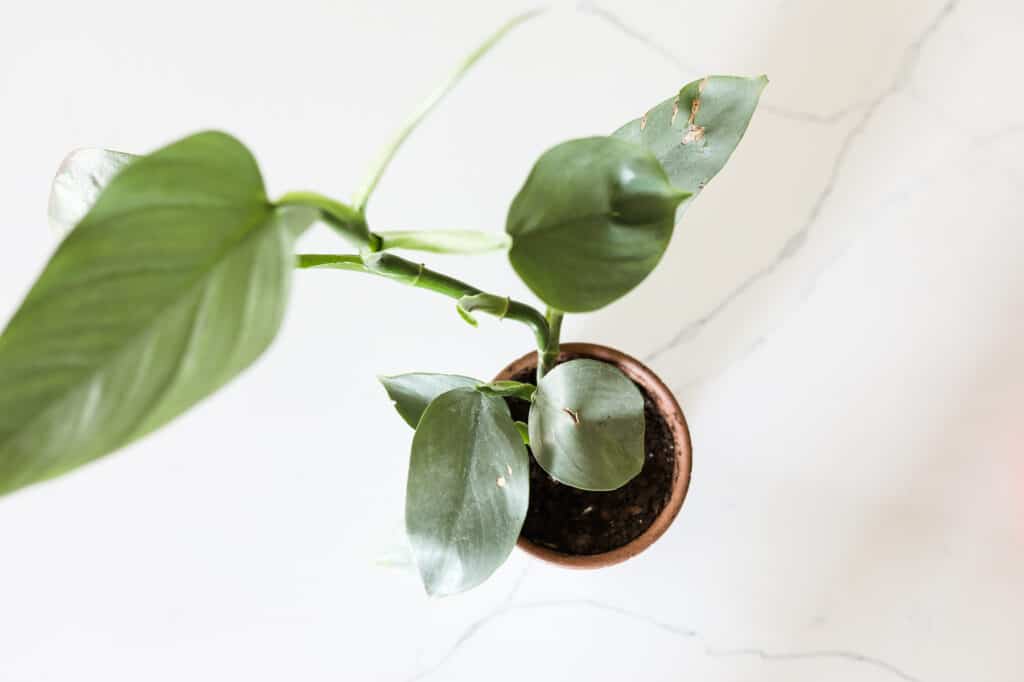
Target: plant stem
(342, 218)
(388, 153)
(549, 353)
(415, 274)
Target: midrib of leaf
(89, 375)
(467, 468)
(610, 216)
(605, 215)
(448, 531)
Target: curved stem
(344, 219)
(549, 354)
(388, 153)
(415, 274)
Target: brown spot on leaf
(573, 414)
(501, 481)
(694, 108)
(675, 110)
(693, 134)
(643, 121)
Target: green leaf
(173, 283)
(78, 183)
(510, 389)
(444, 241)
(468, 490)
(587, 425)
(694, 133)
(591, 222)
(412, 392)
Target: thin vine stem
(362, 197)
(342, 218)
(469, 297)
(549, 353)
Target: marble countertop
(841, 315)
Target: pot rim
(673, 415)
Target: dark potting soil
(574, 521)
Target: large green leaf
(587, 425)
(78, 183)
(591, 222)
(173, 283)
(694, 133)
(468, 490)
(412, 392)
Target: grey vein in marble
(900, 82)
(685, 67)
(852, 656)
(509, 605)
(792, 246)
(474, 627)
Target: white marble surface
(841, 315)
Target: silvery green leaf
(587, 425)
(694, 133)
(468, 490)
(591, 222)
(411, 393)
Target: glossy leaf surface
(413, 392)
(694, 133)
(587, 425)
(591, 222)
(173, 283)
(467, 492)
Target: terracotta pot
(673, 415)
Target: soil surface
(573, 521)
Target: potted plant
(173, 277)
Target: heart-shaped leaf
(78, 183)
(412, 392)
(591, 222)
(468, 490)
(587, 425)
(694, 133)
(173, 283)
